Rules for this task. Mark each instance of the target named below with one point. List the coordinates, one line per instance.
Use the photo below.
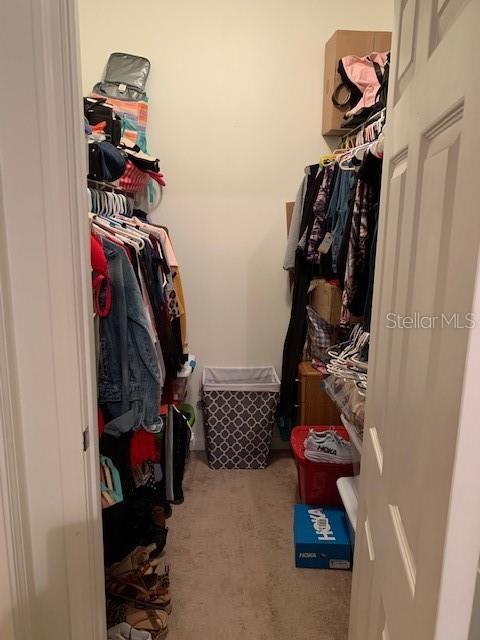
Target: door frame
(53, 547)
(46, 36)
(462, 539)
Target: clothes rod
(106, 186)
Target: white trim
(462, 540)
(13, 508)
(77, 170)
(47, 250)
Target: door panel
(392, 241)
(428, 242)
(443, 17)
(406, 48)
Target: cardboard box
(326, 299)
(345, 43)
(321, 538)
(289, 211)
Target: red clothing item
(100, 277)
(143, 446)
(158, 177)
(101, 421)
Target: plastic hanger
(346, 157)
(119, 232)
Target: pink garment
(133, 179)
(361, 72)
(168, 249)
(162, 235)
(158, 177)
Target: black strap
(378, 71)
(336, 92)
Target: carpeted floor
(232, 566)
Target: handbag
(97, 111)
(320, 334)
(125, 77)
(362, 78)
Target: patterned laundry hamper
(239, 409)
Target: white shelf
(348, 490)
(352, 432)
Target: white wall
(235, 115)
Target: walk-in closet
(240, 320)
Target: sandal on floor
(136, 560)
(153, 621)
(143, 591)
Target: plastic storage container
(239, 404)
(317, 481)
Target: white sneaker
(327, 446)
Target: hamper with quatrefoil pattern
(239, 409)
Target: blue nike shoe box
(321, 538)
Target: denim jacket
(129, 382)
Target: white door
(427, 259)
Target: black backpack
(97, 110)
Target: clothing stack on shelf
(142, 365)
(116, 115)
(333, 239)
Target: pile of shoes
(138, 521)
(137, 586)
(327, 446)
(138, 593)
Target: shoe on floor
(124, 631)
(152, 621)
(143, 591)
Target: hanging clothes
(342, 201)
(320, 206)
(367, 313)
(297, 328)
(296, 220)
(338, 210)
(129, 384)
(362, 229)
(175, 453)
(174, 283)
(140, 353)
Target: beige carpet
(232, 565)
